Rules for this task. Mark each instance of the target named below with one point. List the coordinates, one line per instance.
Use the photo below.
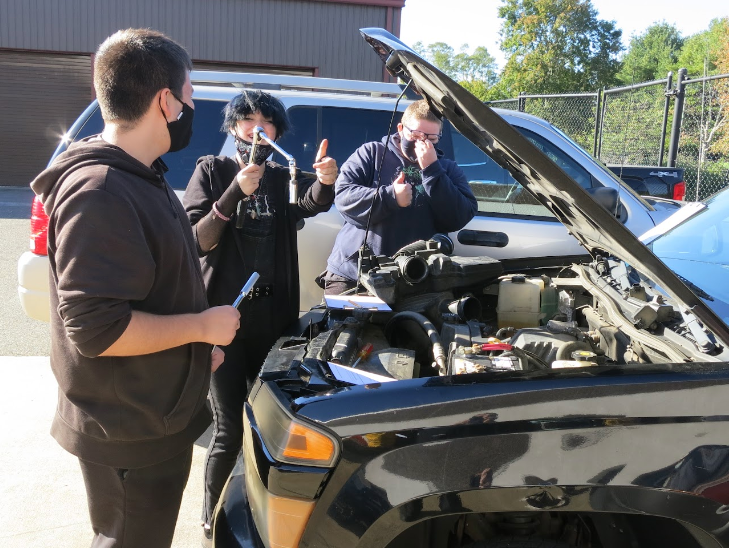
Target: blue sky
(475, 22)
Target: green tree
(722, 51)
(652, 54)
(476, 71)
(703, 53)
(556, 46)
(704, 136)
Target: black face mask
(409, 149)
(263, 151)
(181, 130)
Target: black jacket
(118, 241)
(212, 176)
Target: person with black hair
(243, 223)
(132, 333)
(414, 194)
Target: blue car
(695, 246)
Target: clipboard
(350, 302)
(356, 376)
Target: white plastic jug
(518, 303)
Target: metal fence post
(600, 128)
(667, 95)
(521, 102)
(597, 126)
(677, 121)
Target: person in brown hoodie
(131, 329)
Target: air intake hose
(429, 329)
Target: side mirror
(608, 198)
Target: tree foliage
(652, 54)
(556, 46)
(721, 49)
(476, 71)
(703, 54)
(706, 52)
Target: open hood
(593, 225)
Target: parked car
(663, 182)
(510, 222)
(503, 403)
(695, 245)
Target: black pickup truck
(504, 404)
(663, 182)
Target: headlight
(289, 439)
(281, 520)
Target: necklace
(259, 203)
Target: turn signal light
(287, 520)
(279, 520)
(307, 444)
(289, 439)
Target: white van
(511, 223)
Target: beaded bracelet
(218, 214)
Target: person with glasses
(406, 190)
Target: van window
(496, 191)
(344, 128)
(207, 139)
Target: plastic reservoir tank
(525, 301)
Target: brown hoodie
(119, 240)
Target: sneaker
(207, 540)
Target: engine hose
(445, 245)
(568, 328)
(422, 321)
(411, 248)
(529, 357)
(555, 326)
(505, 333)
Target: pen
(246, 289)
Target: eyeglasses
(421, 136)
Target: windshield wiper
(696, 289)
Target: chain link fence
(703, 140)
(508, 104)
(629, 126)
(633, 125)
(574, 113)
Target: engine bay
(451, 315)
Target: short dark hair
(251, 101)
(131, 66)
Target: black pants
(229, 386)
(135, 507)
(338, 285)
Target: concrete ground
(43, 496)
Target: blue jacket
(442, 202)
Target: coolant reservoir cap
(583, 355)
(519, 279)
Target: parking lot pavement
(41, 486)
